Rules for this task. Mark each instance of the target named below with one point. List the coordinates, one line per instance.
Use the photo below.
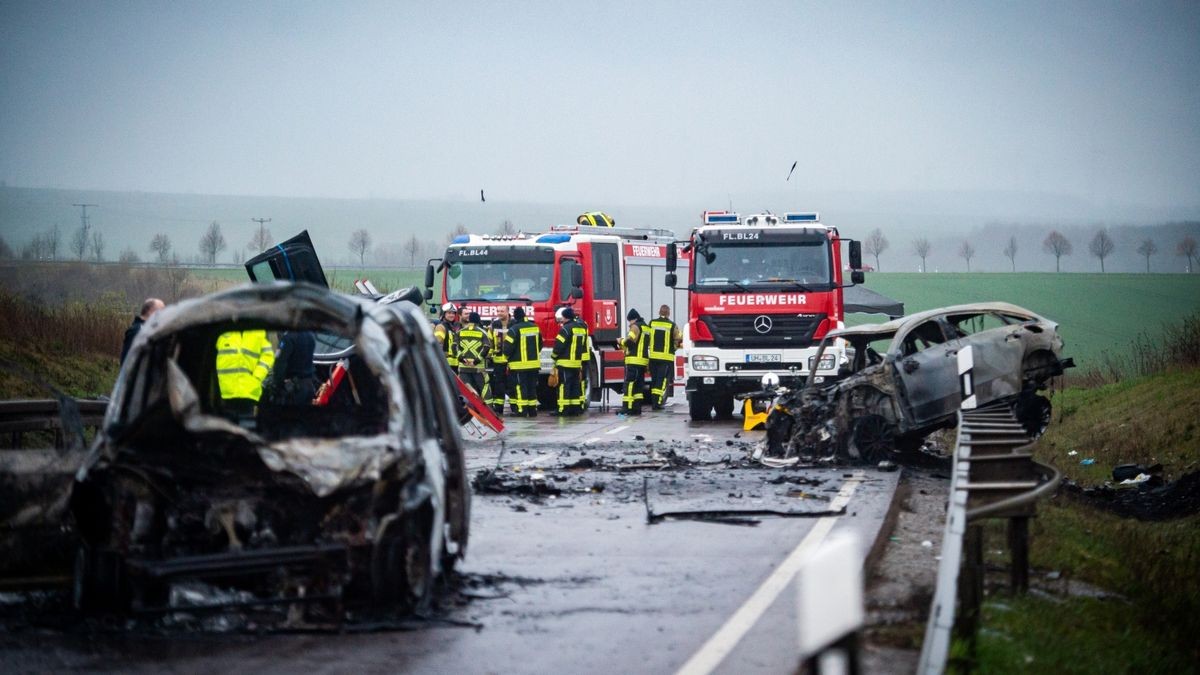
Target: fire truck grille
(763, 330)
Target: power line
(83, 216)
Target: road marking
(620, 428)
(713, 652)
(593, 439)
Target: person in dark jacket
(293, 374)
(150, 306)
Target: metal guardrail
(21, 417)
(995, 476)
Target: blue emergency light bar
(801, 217)
(461, 239)
(554, 239)
(720, 218)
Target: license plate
(764, 358)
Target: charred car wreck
(358, 496)
(901, 381)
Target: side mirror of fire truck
(672, 261)
(576, 278)
(577, 293)
(429, 280)
(856, 273)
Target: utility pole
(83, 216)
(261, 239)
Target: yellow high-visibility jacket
(243, 360)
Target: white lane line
(620, 428)
(593, 439)
(713, 652)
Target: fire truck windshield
(499, 280)
(804, 265)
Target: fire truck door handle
(597, 321)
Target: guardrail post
(1018, 546)
(970, 588)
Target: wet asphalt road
(574, 582)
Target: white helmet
(449, 307)
(770, 381)
(558, 314)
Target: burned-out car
(902, 380)
(358, 495)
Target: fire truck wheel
(699, 407)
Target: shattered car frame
(901, 380)
(362, 500)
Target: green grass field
(386, 279)
(1097, 312)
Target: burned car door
(292, 260)
(997, 349)
(927, 366)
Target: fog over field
(974, 120)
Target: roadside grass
(1077, 635)
(1150, 622)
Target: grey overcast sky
(640, 102)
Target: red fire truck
(764, 290)
(601, 272)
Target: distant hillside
(131, 219)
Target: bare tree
(1056, 245)
(6, 252)
(458, 231)
(128, 256)
(966, 251)
(177, 279)
(236, 257)
(1010, 251)
(261, 239)
(506, 228)
(35, 249)
(1147, 248)
(412, 247)
(1101, 246)
(212, 242)
(875, 244)
(160, 245)
(80, 241)
(53, 239)
(1187, 247)
(98, 245)
(921, 249)
(360, 242)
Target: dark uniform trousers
(525, 390)
(660, 381)
(631, 401)
(472, 377)
(498, 387)
(570, 391)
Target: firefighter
(665, 338)
(244, 358)
(570, 353)
(637, 356)
(446, 332)
(523, 347)
(472, 353)
(497, 385)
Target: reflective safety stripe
(470, 346)
(637, 348)
(497, 337)
(449, 342)
(528, 346)
(662, 339)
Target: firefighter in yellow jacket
(636, 344)
(570, 353)
(244, 358)
(523, 348)
(472, 353)
(446, 332)
(665, 338)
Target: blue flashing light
(461, 239)
(801, 217)
(554, 239)
(720, 218)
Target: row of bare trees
(1056, 244)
